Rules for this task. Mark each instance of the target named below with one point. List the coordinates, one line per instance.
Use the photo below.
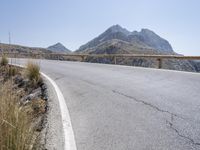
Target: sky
(41, 23)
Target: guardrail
(82, 57)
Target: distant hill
(22, 49)
(119, 40)
(58, 48)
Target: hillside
(22, 49)
(58, 48)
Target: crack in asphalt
(60, 77)
(170, 123)
(148, 104)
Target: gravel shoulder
(52, 135)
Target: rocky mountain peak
(59, 48)
(59, 44)
(117, 28)
(146, 31)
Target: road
(129, 108)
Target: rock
(23, 83)
(45, 97)
(39, 123)
(34, 95)
(43, 87)
(18, 79)
(36, 90)
(44, 94)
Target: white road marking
(70, 143)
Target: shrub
(33, 72)
(4, 61)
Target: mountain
(119, 40)
(58, 48)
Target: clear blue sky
(42, 23)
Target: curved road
(128, 108)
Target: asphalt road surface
(128, 108)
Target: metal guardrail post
(115, 60)
(82, 58)
(159, 63)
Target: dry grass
(18, 122)
(4, 61)
(33, 73)
(12, 71)
(15, 123)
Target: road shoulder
(52, 135)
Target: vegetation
(33, 73)
(4, 61)
(21, 120)
(12, 71)
(15, 131)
